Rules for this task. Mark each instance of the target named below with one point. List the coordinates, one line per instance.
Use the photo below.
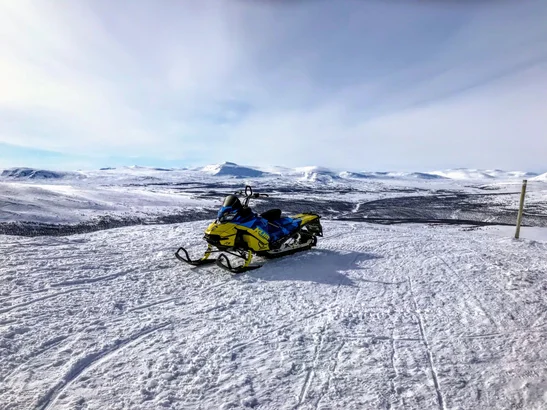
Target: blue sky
(354, 84)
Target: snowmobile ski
(199, 262)
(224, 263)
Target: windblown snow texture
(377, 317)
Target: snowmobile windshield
(232, 201)
(229, 209)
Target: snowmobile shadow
(319, 265)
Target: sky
(412, 85)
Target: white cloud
(359, 85)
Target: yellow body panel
(256, 239)
(305, 218)
(225, 234)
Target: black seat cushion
(271, 214)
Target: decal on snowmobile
(240, 232)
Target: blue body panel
(276, 229)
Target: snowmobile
(240, 232)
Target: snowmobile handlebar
(248, 194)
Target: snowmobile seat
(271, 215)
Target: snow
(231, 169)
(470, 174)
(75, 203)
(31, 173)
(376, 317)
(542, 177)
(531, 233)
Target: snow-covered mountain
(390, 175)
(542, 177)
(232, 169)
(314, 173)
(470, 174)
(308, 173)
(36, 174)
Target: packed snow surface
(376, 317)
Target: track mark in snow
(47, 345)
(473, 295)
(21, 295)
(381, 282)
(254, 339)
(395, 371)
(541, 318)
(317, 349)
(89, 280)
(427, 348)
(158, 302)
(88, 362)
(20, 305)
(311, 371)
(332, 371)
(167, 300)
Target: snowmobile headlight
(227, 217)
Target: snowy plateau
(417, 296)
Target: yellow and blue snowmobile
(240, 232)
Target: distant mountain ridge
(31, 173)
(309, 173)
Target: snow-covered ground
(376, 317)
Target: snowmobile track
(470, 291)
(30, 302)
(90, 361)
(331, 372)
(47, 345)
(392, 380)
(317, 350)
(167, 300)
(254, 339)
(428, 349)
(311, 371)
(85, 281)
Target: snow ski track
(469, 290)
(254, 339)
(30, 302)
(311, 371)
(89, 361)
(331, 372)
(47, 345)
(84, 281)
(22, 295)
(317, 348)
(167, 300)
(395, 371)
(427, 348)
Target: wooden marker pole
(521, 208)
